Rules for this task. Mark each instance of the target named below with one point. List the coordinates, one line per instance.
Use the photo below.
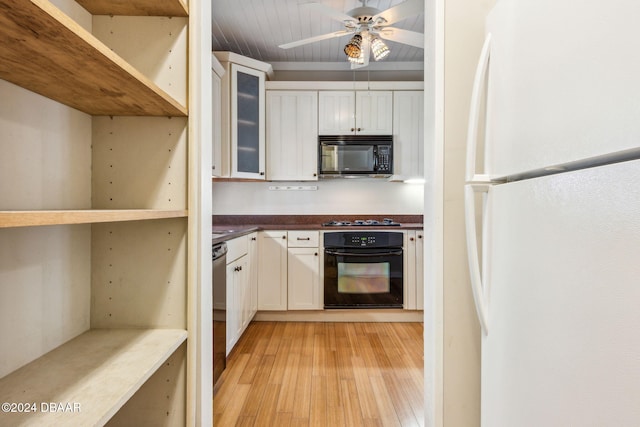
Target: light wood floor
(323, 374)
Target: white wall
(44, 271)
(336, 196)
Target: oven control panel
(363, 239)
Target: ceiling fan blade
(330, 12)
(402, 36)
(315, 39)
(400, 12)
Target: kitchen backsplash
(358, 196)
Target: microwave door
(340, 159)
(329, 162)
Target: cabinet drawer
(303, 239)
(236, 248)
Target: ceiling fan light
(379, 49)
(359, 60)
(353, 48)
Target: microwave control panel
(384, 158)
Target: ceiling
(255, 28)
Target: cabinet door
(408, 134)
(292, 135)
(336, 112)
(253, 274)
(374, 112)
(216, 124)
(244, 293)
(272, 270)
(410, 270)
(419, 270)
(414, 270)
(304, 279)
(233, 315)
(247, 123)
(238, 300)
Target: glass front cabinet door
(247, 123)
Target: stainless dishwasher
(219, 310)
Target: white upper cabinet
(247, 123)
(359, 112)
(408, 135)
(374, 113)
(242, 146)
(216, 119)
(336, 112)
(292, 135)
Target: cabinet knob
(261, 173)
(315, 254)
(315, 174)
(284, 237)
(419, 236)
(359, 129)
(237, 268)
(253, 238)
(352, 129)
(411, 239)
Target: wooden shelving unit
(46, 52)
(68, 217)
(95, 283)
(91, 371)
(135, 8)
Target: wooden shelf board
(99, 370)
(9, 219)
(45, 51)
(135, 7)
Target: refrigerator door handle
(472, 252)
(474, 113)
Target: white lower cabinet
(303, 272)
(289, 270)
(253, 273)
(241, 287)
(414, 270)
(236, 296)
(272, 270)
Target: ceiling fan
(368, 26)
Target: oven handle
(330, 252)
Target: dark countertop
(223, 233)
(227, 227)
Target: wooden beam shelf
(45, 51)
(135, 8)
(98, 371)
(9, 219)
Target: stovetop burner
(362, 222)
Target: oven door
(363, 278)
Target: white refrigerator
(553, 213)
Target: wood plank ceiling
(255, 28)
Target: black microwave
(355, 156)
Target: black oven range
(363, 269)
